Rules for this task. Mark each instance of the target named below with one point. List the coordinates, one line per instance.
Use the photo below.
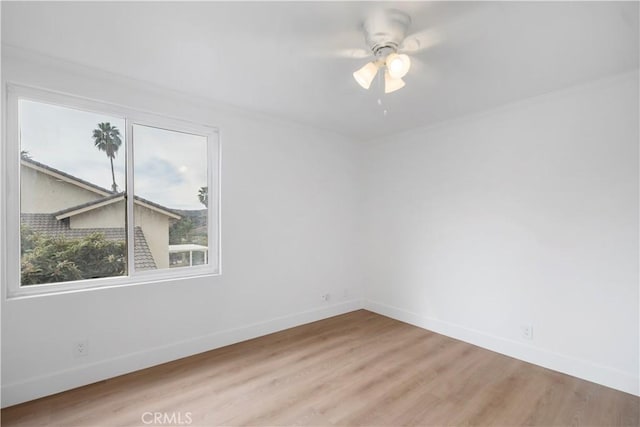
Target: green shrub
(51, 259)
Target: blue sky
(169, 166)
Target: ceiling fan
(385, 33)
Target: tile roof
(48, 224)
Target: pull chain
(381, 88)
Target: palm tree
(107, 139)
(203, 196)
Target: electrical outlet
(325, 297)
(527, 331)
(81, 348)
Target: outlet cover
(527, 331)
(80, 348)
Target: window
(170, 169)
(106, 195)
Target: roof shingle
(49, 225)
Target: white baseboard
(56, 382)
(583, 369)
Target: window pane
(72, 205)
(171, 205)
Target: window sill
(151, 278)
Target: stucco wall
(155, 227)
(42, 193)
(112, 215)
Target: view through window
(72, 210)
(171, 171)
(74, 200)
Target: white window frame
(11, 193)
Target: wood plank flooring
(356, 369)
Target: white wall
(523, 215)
(289, 224)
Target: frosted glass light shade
(391, 84)
(365, 75)
(398, 65)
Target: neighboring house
(56, 203)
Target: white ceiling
(276, 57)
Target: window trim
(11, 192)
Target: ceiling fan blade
(342, 53)
(422, 40)
(451, 24)
(353, 53)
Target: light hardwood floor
(356, 369)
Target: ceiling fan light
(365, 75)
(398, 65)
(391, 84)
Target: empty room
(320, 213)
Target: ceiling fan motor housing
(385, 29)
